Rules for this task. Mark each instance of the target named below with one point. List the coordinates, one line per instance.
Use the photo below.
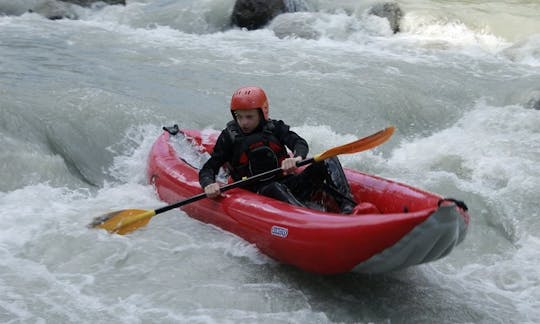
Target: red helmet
(250, 98)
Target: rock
(254, 14)
(390, 11)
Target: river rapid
(81, 102)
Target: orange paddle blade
(359, 145)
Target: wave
(491, 153)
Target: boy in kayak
(252, 143)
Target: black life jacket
(255, 153)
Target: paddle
(128, 220)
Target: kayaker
(253, 143)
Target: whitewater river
(81, 102)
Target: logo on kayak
(279, 231)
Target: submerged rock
(16, 8)
(52, 9)
(295, 25)
(88, 3)
(55, 10)
(534, 101)
(390, 11)
(528, 98)
(535, 104)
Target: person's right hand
(212, 190)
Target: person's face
(248, 120)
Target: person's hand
(289, 165)
(212, 190)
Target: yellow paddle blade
(359, 145)
(123, 221)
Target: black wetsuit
(264, 149)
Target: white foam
(506, 282)
(491, 151)
(445, 34)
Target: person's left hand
(289, 165)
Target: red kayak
(397, 226)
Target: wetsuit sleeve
(221, 154)
(293, 141)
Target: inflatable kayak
(397, 227)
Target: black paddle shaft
(232, 186)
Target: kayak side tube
(429, 241)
